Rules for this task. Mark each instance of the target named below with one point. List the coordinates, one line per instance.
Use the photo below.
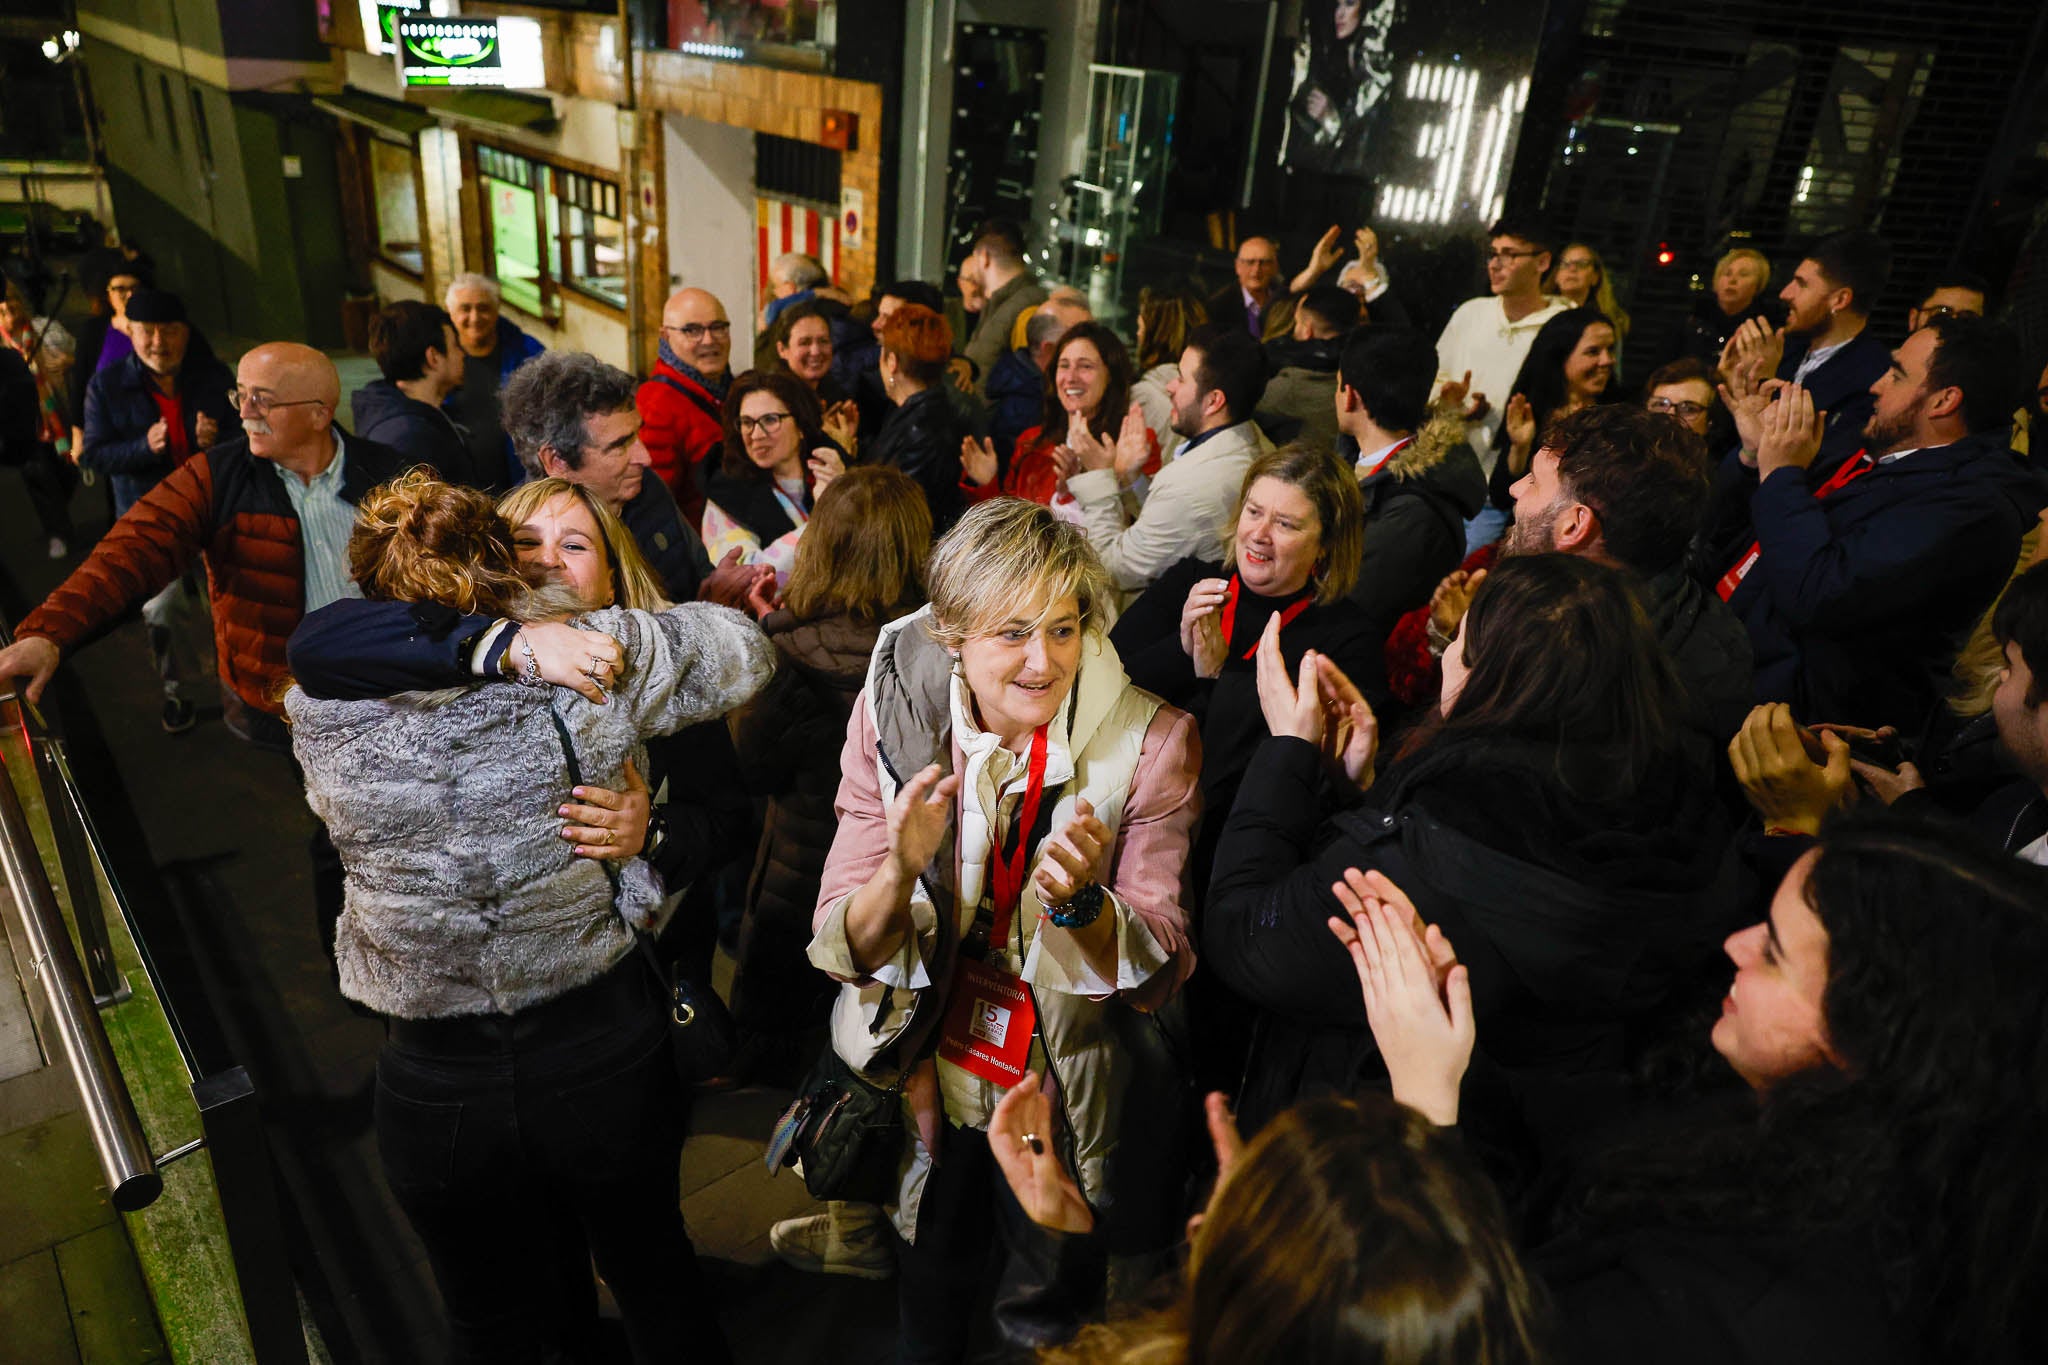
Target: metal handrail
(110, 1115)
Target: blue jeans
(521, 1147)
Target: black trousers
(1050, 1283)
(523, 1146)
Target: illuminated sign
(1418, 103)
(1468, 122)
(380, 22)
(502, 52)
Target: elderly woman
(1004, 896)
(529, 1117)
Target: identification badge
(988, 1026)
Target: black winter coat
(1708, 647)
(1416, 507)
(1574, 916)
(1147, 639)
(421, 432)
(922, 438)
(788, 741)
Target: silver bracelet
(529, 672)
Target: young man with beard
(1623, 485)
(1858, 590)
(1825, 345)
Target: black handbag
(701, 1033)
(847, 1132)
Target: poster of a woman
(1343, 75)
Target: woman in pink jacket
(1004, 896)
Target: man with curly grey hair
(571, 416)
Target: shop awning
(403, 121)
(491, 108)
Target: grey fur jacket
(462, 896)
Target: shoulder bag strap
(611, 873)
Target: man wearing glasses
(144, 416)
(269, 511)
(682, 405)
(1487, 339)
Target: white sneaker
(846, 1239)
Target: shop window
(512, 190)
(587, 238)
(547, 228)
(395, 190)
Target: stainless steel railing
(69, 1010)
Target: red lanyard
(1389, 453)
(1851, 470)
(1006, 872)
(1229, 617)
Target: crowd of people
(1265, 836)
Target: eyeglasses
(1501, 253)
(261, 402)
(1942, 310)
(697, 331)
(768, 423)
(1688, 411)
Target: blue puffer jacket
(1859, 601)
(119, 412)
(515, 348)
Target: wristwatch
(1079, 910)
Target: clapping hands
(1418, 998)
(1322, 706)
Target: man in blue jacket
(1859, 589)
(144, 416)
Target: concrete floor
(215, 835)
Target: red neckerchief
(1851, 470)
(1006, 871)
(1229, 615)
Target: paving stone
(111, 1312)
(35, 1325)
(51, 1189)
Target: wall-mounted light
(838, 128)
(61, 47)
(716, 50)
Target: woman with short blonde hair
(1014, 823)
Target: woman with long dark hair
(775, 458)
(1867, 1184)
(1570, 366)
(1088, 393)
(1350, 1230)
(1343, 73)
(1552, 816)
